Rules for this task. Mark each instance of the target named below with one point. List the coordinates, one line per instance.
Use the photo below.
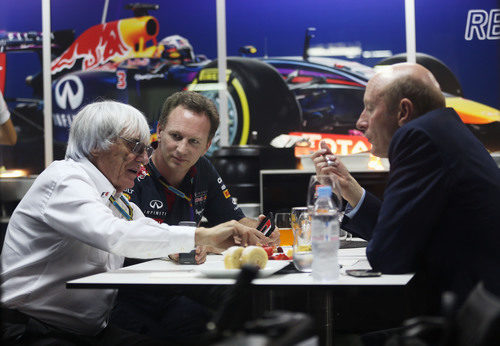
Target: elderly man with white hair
(74, 222)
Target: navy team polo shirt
(202, 185)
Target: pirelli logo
(212, 74)
(226, 193)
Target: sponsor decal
(137, 62)
(339, 144)
(156, 204)
(110, 43)
(69, 92)
(139, 77)
(142, 173)
(200, 199)
(483, 25)
(96, 46)
(151, 213)
(63, 120)
(129, 191)
(223, 188)
(105, 194)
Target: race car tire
(261, 97)
(446, 79)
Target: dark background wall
(277, 27)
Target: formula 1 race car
(312, 98)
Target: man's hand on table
(228, 234)
(200, 257)
(274, 237)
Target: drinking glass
(283, 222)
(312, 194)
(302, 250)
(324, 180)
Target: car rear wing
(11, 41)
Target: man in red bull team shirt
(179, 184)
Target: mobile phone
(363, 273)
(187, 257)
(266, 226)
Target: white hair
(99, 124)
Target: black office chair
(477, 323)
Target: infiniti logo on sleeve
(156, 204)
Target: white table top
(166, 272)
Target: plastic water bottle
(325, 237)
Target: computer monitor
(281, 190)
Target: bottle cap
(324, 190)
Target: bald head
(409, 81)
(393, 97)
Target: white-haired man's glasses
(139, 147)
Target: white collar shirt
(64, 228)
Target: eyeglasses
(139, 147)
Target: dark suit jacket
(440, 216)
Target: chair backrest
(478, 320)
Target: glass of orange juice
(283, 222)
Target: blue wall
(373, 24)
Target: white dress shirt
(64, 228)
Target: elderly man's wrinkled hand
(201, 254)
(228, 234)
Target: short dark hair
(423, 97)
(194, 102)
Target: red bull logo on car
(96, 46)
(111, 42)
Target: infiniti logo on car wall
(156, 204)
(69, 90)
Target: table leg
(329, 317)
